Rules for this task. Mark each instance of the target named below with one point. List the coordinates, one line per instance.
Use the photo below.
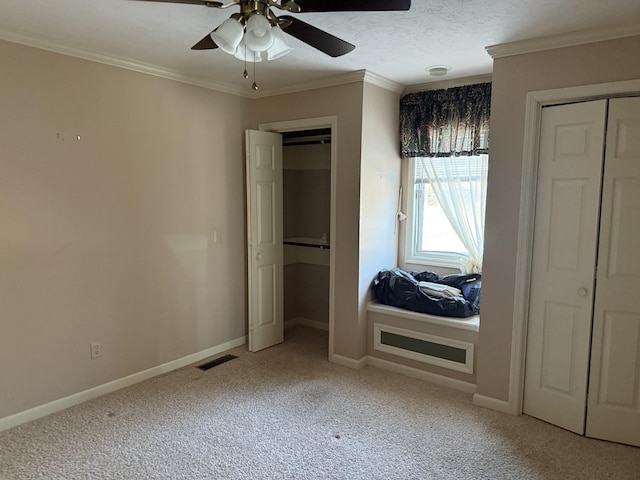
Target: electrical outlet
(96, 349)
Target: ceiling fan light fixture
(258, 36)
(280, 45)
(228, 35)
(255, 33)
(246, 54)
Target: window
(444, 134)
(431, 238)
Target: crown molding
(331, 81)
(442, 84)
(335, 80)
(382, 82)
(128, 64)
(569, 39)
(341, 79)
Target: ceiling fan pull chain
(245, 74)
(255, 85)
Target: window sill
(437, 259)
(468, 323)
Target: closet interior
(306, 226)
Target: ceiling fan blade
(205, 3)
(206, 43)
(323, 41)
(352, 5)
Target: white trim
(302, 124)
(436, 259)
(86, 395)
(429, 258)
(307, 323)
(331, 81)
(382, 82)
(494, 404)
(469, 323)
(409, 223)
(355, 76)
(309, 124)
(421, 375)
(348, 362)
(159, 71)
(444, 84)
(466, 367)
(569, 39)
(534, 103)
(120, 62)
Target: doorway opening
(309, 191)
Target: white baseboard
(421, 374)
(493, 404)
(80, 397)
(348, 362)
(306, 322)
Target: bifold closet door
(613, 411)
(563, 263)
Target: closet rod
(303, 244)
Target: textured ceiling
(396, 45)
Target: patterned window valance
(445, 123)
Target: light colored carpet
(287, 413)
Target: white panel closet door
(264, 233)
(563, 263)
(613, 411)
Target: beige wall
(379, 188)
(345, 102)
(513, 78)
(307, 190)
(110, 237)
(306, 292)
(368, 178)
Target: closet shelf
(307, 242)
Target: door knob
(583, 292)
(259, 256)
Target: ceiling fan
(256, 33)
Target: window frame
(412, 255)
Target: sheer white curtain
(448, 130)
(460, 186)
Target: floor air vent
(216, 361)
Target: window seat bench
(469, 323)
(433, 347)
